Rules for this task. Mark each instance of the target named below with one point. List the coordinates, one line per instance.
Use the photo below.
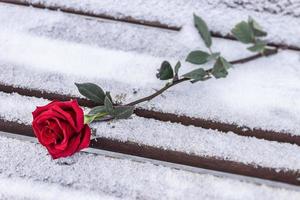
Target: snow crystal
(285, 7)
(283, 27)
(109, 34)
(123, 178)
(259, 94)
(20, 188)
(265, 88)
(202, 142)
(51, 50)
(174, 136)
(18, 108)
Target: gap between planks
(172, 156)
(184, 120)
(127, 19)
(149, 152)
(132, 20)
(197, 170)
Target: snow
(266, 88)
(120, 178)
(23, 188)
(202, 142)
(172, 136)
(283, 27)
(284, 7)
(18, 108)
(108, 34)
(50, 51)
(259, 94)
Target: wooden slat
(194, 170)
(185, 120)
(131, 137)
(202, 182)
(127, 19)
(131, 148)
(132, 20)
(290, 177)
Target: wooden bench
(242, 126)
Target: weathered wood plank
(63, 61)
(166, 117)
(175, 143)
(117, 176)
(131, 148)
(163, 16)
(62, 65)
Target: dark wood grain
(185, 120)
(212, 163)
(132, 20)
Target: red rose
(59, 127)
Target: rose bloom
(59, 127)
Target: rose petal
(47, 136)
(49, 114)
(41, 109)
(42, 120)
(75, 112)
(85, 137)
(67, 117)
(47, 119)
(59, 127)
(79, 115)
(53, 152)
(73, 108)
(67, 133)
(37, 132)
(70, 150)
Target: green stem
(268, 52)
(90, 118)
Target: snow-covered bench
(43, 52)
